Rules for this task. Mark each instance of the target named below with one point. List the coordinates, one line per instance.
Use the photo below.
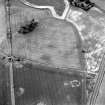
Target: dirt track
(57, 4)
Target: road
(98, 82)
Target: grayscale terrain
(51, 53)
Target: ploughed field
(53, 42)
(41, 85)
